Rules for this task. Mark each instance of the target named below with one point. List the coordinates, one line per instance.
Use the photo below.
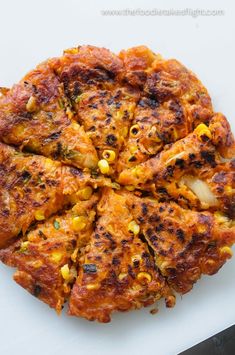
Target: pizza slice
(36, 116)
(117, 271)
(46, 256)
(186, 243)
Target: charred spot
(220, 178)
(162, 190)
(177, 109)
(109, 74)
(109, 236)
(26, 176)
(209, 158)
(144, 209)
(52, 137)
(115, 261)
(153, 238)
(232, 163)
(95, 106)
(161, 209)
(154, 218)
(179, 163)
(198, 164)
(149, 232)
(89, 268)
(59, 151)
(124, 242)
(159, 227)
(192, 156)
(132, 158)
(140, 219)
(180, 235)
(37, 290)
(130, 272)
(111, 139)
(169, 171)
(51, 182)
(26, 115)
(162, 252)
(42, 235)
(92, 129)
(97, 236)
(5, 212)
(76, 172)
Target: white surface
(31, 31)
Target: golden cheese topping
(117, 181)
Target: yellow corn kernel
(56, 256)
(66, 288)
(91, 287)
(18, 130)
(229, 189)
(226, 250)
(65, 272)
(175, 134)
(69, 113)
(79, 223)
(24, 246)
(201, 228)
(109, 155)
(39, 215)
(144, 276)
(134, 130)
(85, 193)
(71, 50)
(133, 149)
(74, 255)
(103, 166)
(122, 276)
(31, 104)
(133, 227)
(220, 217)
(37, 264)
(130, 188)
(203, 130)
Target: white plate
(31, 31)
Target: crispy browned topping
(117, 181)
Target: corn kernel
(69, 113)
(65, 272)
(135, 130)
(103, 166)
(144, 276)
(122, 276)
(130, 188)
(85, 193)
(226, 250)
(56, 256)
(201, 228)
(133, 227)
(202, 130)
(133, 149)
(79, 223)
(39, 215)
(71, 50)
(24, 247)
(37, 264)
(31, 104)
(92, 287)
(109, 155)
(220, 217)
